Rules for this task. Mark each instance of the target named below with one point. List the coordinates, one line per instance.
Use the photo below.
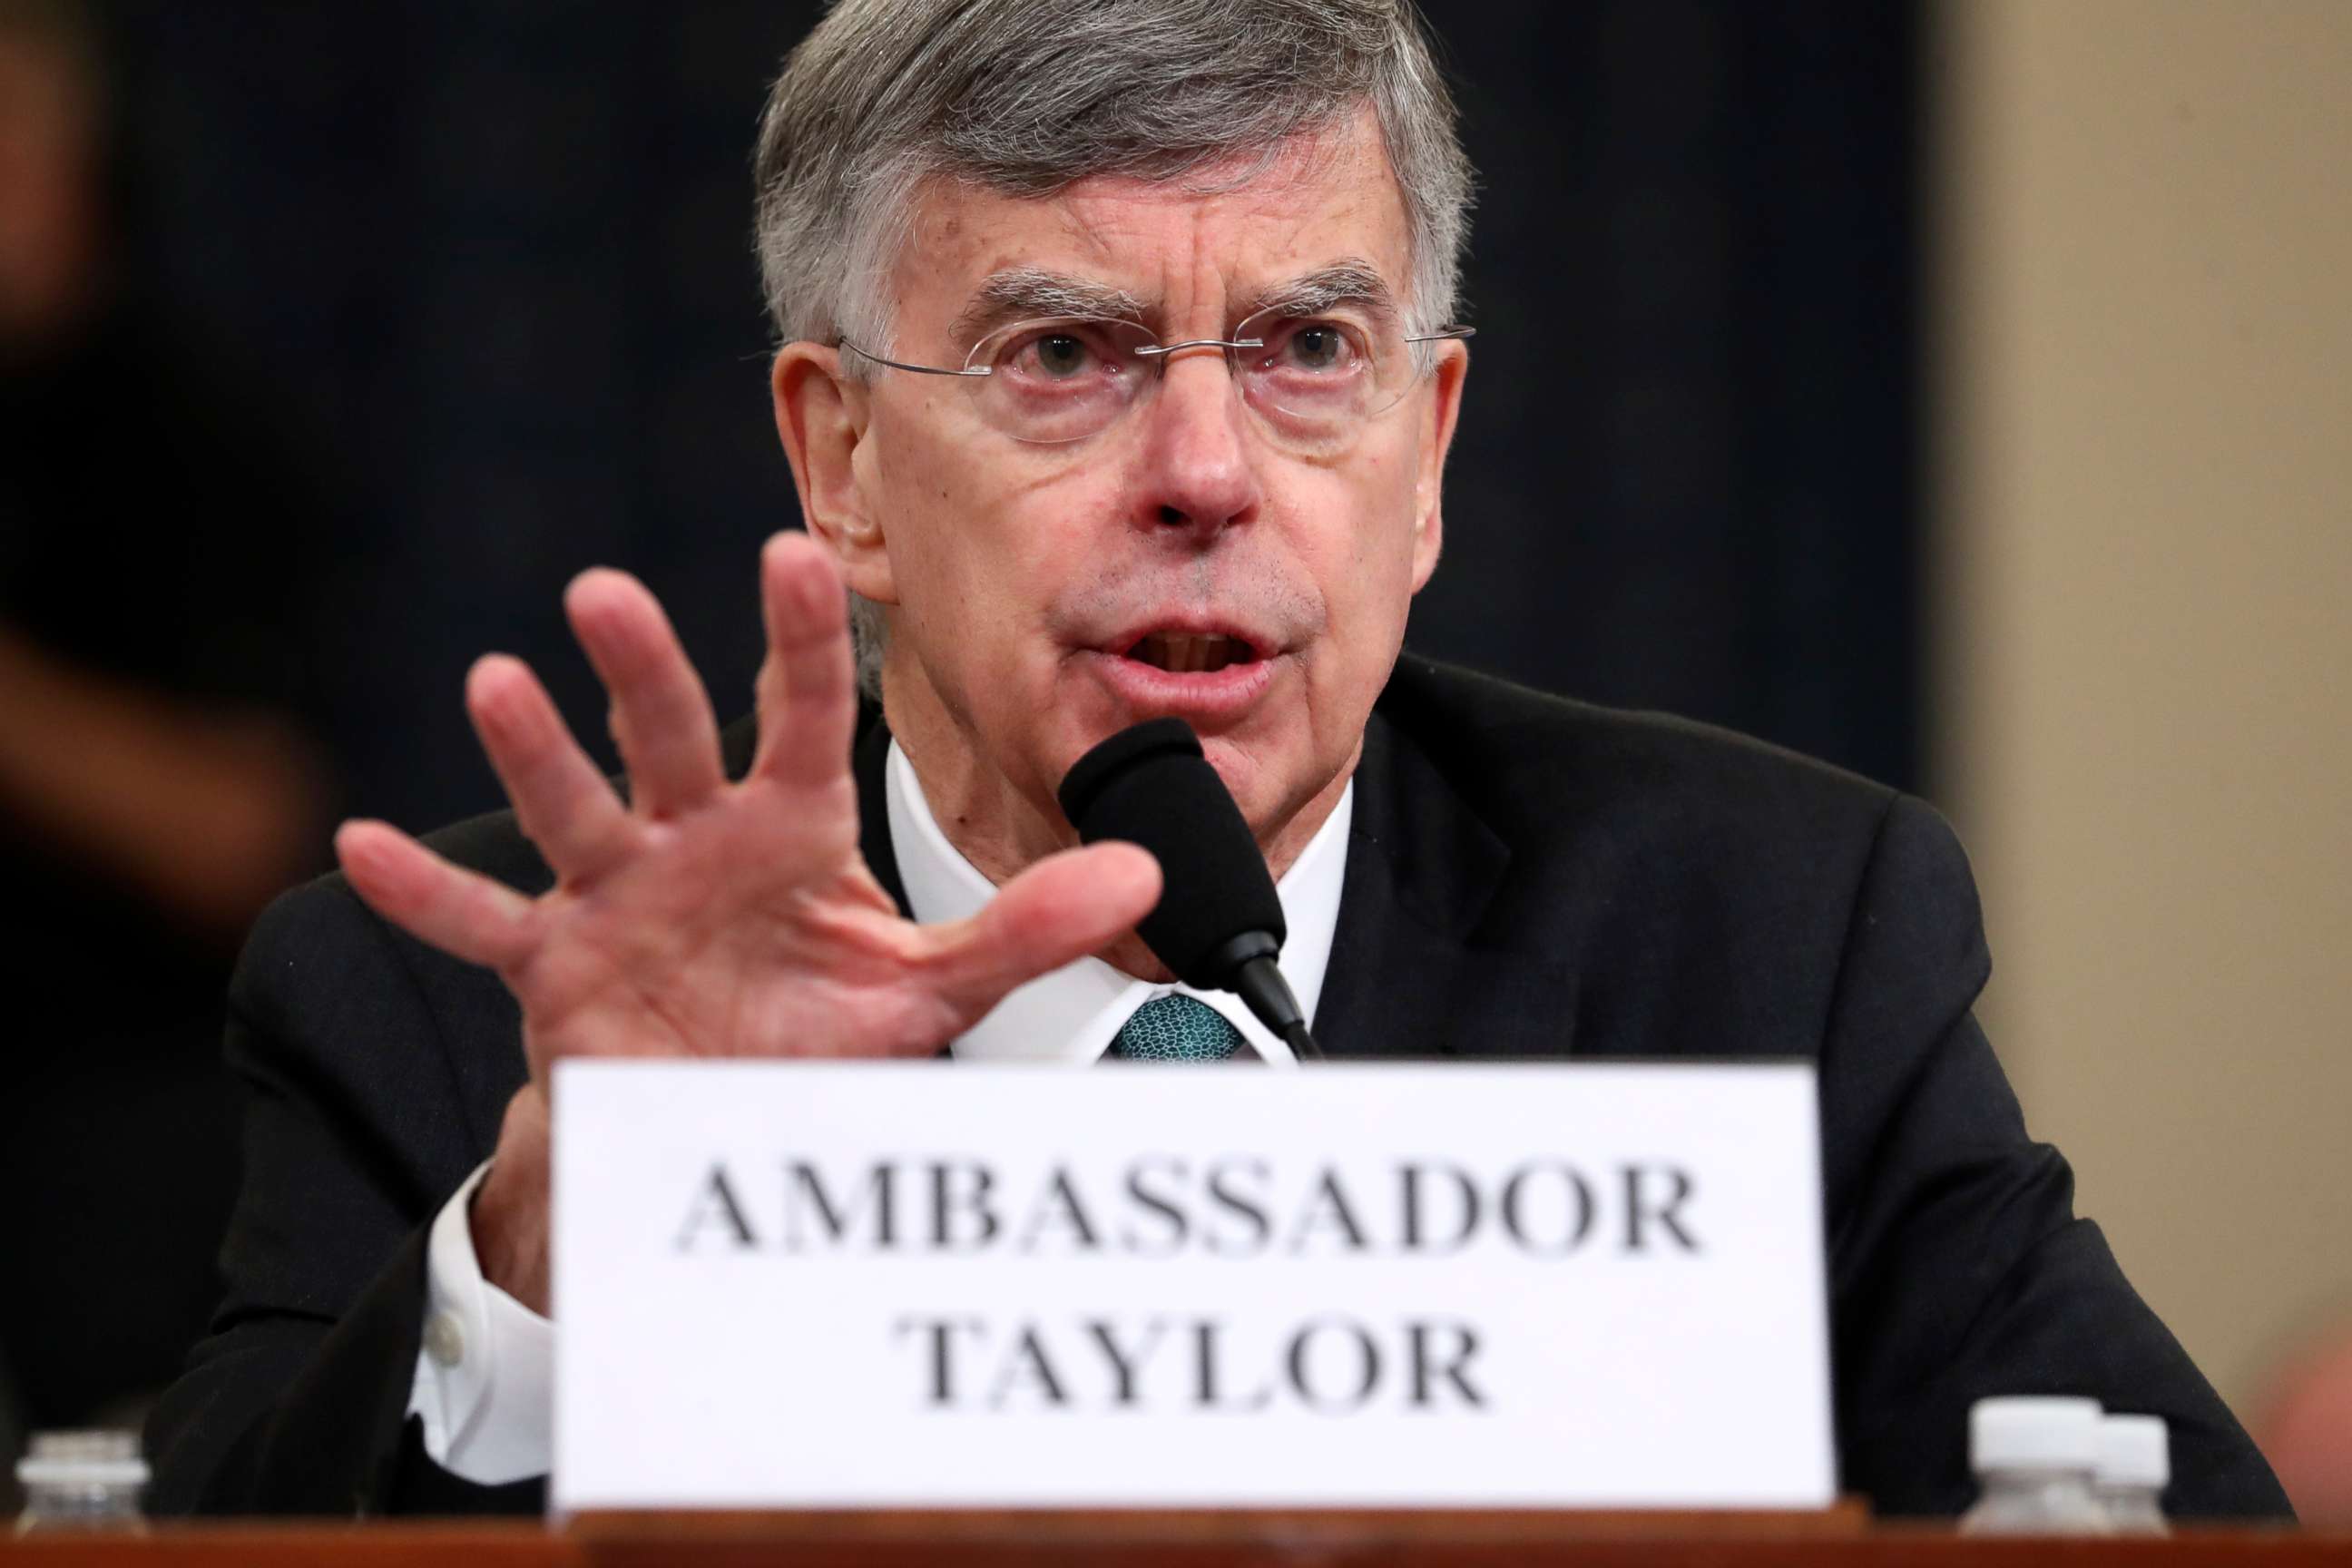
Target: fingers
(561, 800)
(1061, 909)
(808, 685)
(661, 715)
(461, 912)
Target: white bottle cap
(83, 1459)
(2135, 1451)
(2034, 1434)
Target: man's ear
(821, 417)
(1436, 440)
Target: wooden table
(1840, 1539)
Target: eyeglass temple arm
(918, 369)
(1445, 334)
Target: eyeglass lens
(1312, 381)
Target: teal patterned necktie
(1175, 1029)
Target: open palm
(709, 917)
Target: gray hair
(1028, 97)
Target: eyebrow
(1024, 293)
(1352, 281)
(1028, 293)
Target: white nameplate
(849, 1285)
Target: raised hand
(706, 917)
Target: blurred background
(1954, 391)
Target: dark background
(494, 257)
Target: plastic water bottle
(81, 1481)
(2134, 1467)
(2037, 1462)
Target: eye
(1060, 354)
(1317, 345)
(1055, 353)
(1319, 348)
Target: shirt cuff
(486, 1374)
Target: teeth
(1187, 653)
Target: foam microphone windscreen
(1149, 785)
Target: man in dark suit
(1148, 419)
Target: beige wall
(2143, 583)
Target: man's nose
(1197, 463)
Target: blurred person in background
(2304, 1428)
(158, 782)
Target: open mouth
(1190, 653)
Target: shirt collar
(1073, 1014)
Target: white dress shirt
(485, 1378)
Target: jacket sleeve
(356, 1131)
(1958, 1268)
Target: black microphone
(1218, 925)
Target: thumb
(1061, 909)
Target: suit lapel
(1406, 972)
(868, 759)
(1407, 977)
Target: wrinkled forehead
(1317, 213)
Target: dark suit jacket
(1525, 877)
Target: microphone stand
(1248, 962)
